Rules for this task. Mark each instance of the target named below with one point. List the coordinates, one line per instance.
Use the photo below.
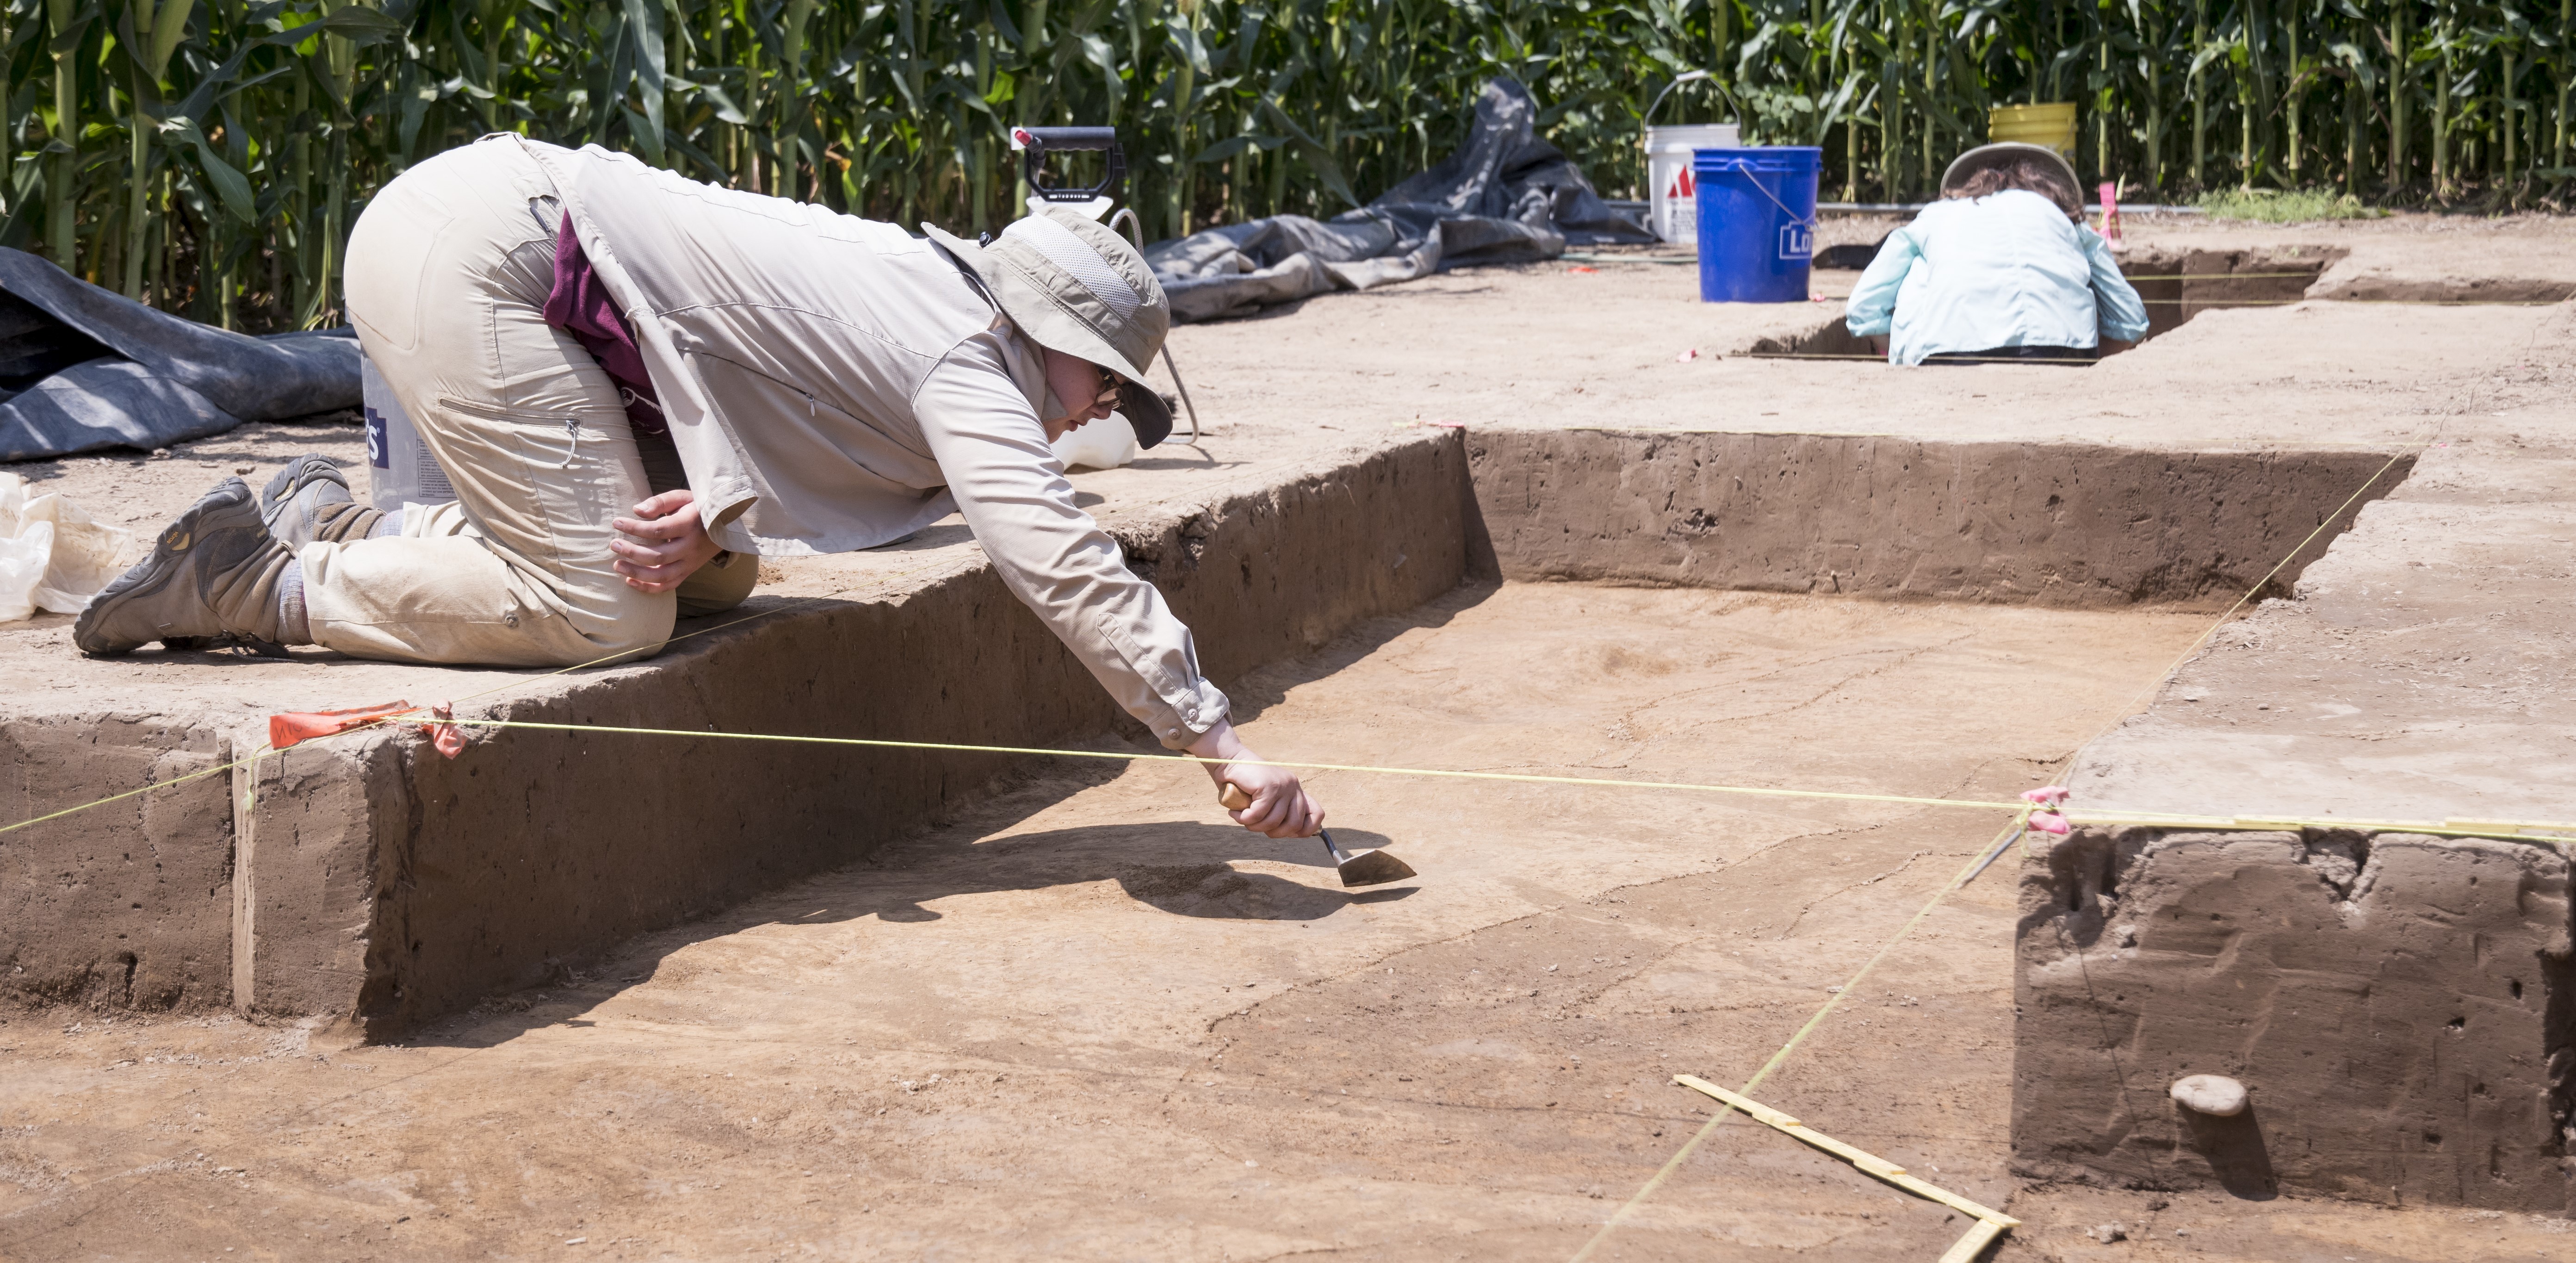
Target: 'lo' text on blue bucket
(1757, 222)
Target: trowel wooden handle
(1233, 798)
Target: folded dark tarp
(82, 368)
(1505, 196)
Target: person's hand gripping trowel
(1368, 868)
(1267, 799)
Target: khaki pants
(448, 274)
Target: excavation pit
(1091, 981)
(2175, 285)
(373, 880)
(970, 995)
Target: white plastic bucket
(400, 469)
(1673, 197)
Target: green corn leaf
(228, 182)
(361, 26)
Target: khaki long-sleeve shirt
(834, 383)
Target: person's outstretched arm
(993, 450)
(2123, 313)
(1871, 311)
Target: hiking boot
(212, 577)
(310, 500)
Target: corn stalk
(208, 156)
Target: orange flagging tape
(294, 726)
(304, 725)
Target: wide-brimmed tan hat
(1074, 285)
(2005, 154)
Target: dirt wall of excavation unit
(2402, 1006)
(2401, 1009)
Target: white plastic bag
(1104, 444)
(53, 556)
(22, 568)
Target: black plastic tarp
(82, 368)
(1504, 196)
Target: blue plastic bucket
(1757, 222)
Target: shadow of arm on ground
(1181, 867)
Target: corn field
(208, 156)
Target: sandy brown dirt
(1553, 348)
(1553, 345)
(1031, 944)
(2416, 249)
(1549, 345)
(1095, 1022)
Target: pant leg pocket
(545, 486)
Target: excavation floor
(1094, 1021)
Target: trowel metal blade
(1374, 868)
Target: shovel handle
(1232, 797)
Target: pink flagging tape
(442, 730)
(2051, 816)
(304, 725)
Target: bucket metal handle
(1647, 119)
(1806, 221)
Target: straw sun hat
(1075, 286)
(2003, 155)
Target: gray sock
(390, 524)
(293, 628)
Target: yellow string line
(176, 780)
(959, 747)
(2003, 837)
(513, 683)
(1976, 864)
(1860, 1158)
(2100, 817)
(2221, 621)
(2214, 823)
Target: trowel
(1368, 868)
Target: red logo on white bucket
(1683, 186)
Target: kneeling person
(638, 384)
(2001, 268)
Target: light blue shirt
(2007, 269)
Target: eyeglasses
(1111, 385)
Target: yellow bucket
(2050, 125)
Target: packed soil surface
(1624, 343)
(1094, 1020)
(1603, 343)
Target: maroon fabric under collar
(580, 305)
